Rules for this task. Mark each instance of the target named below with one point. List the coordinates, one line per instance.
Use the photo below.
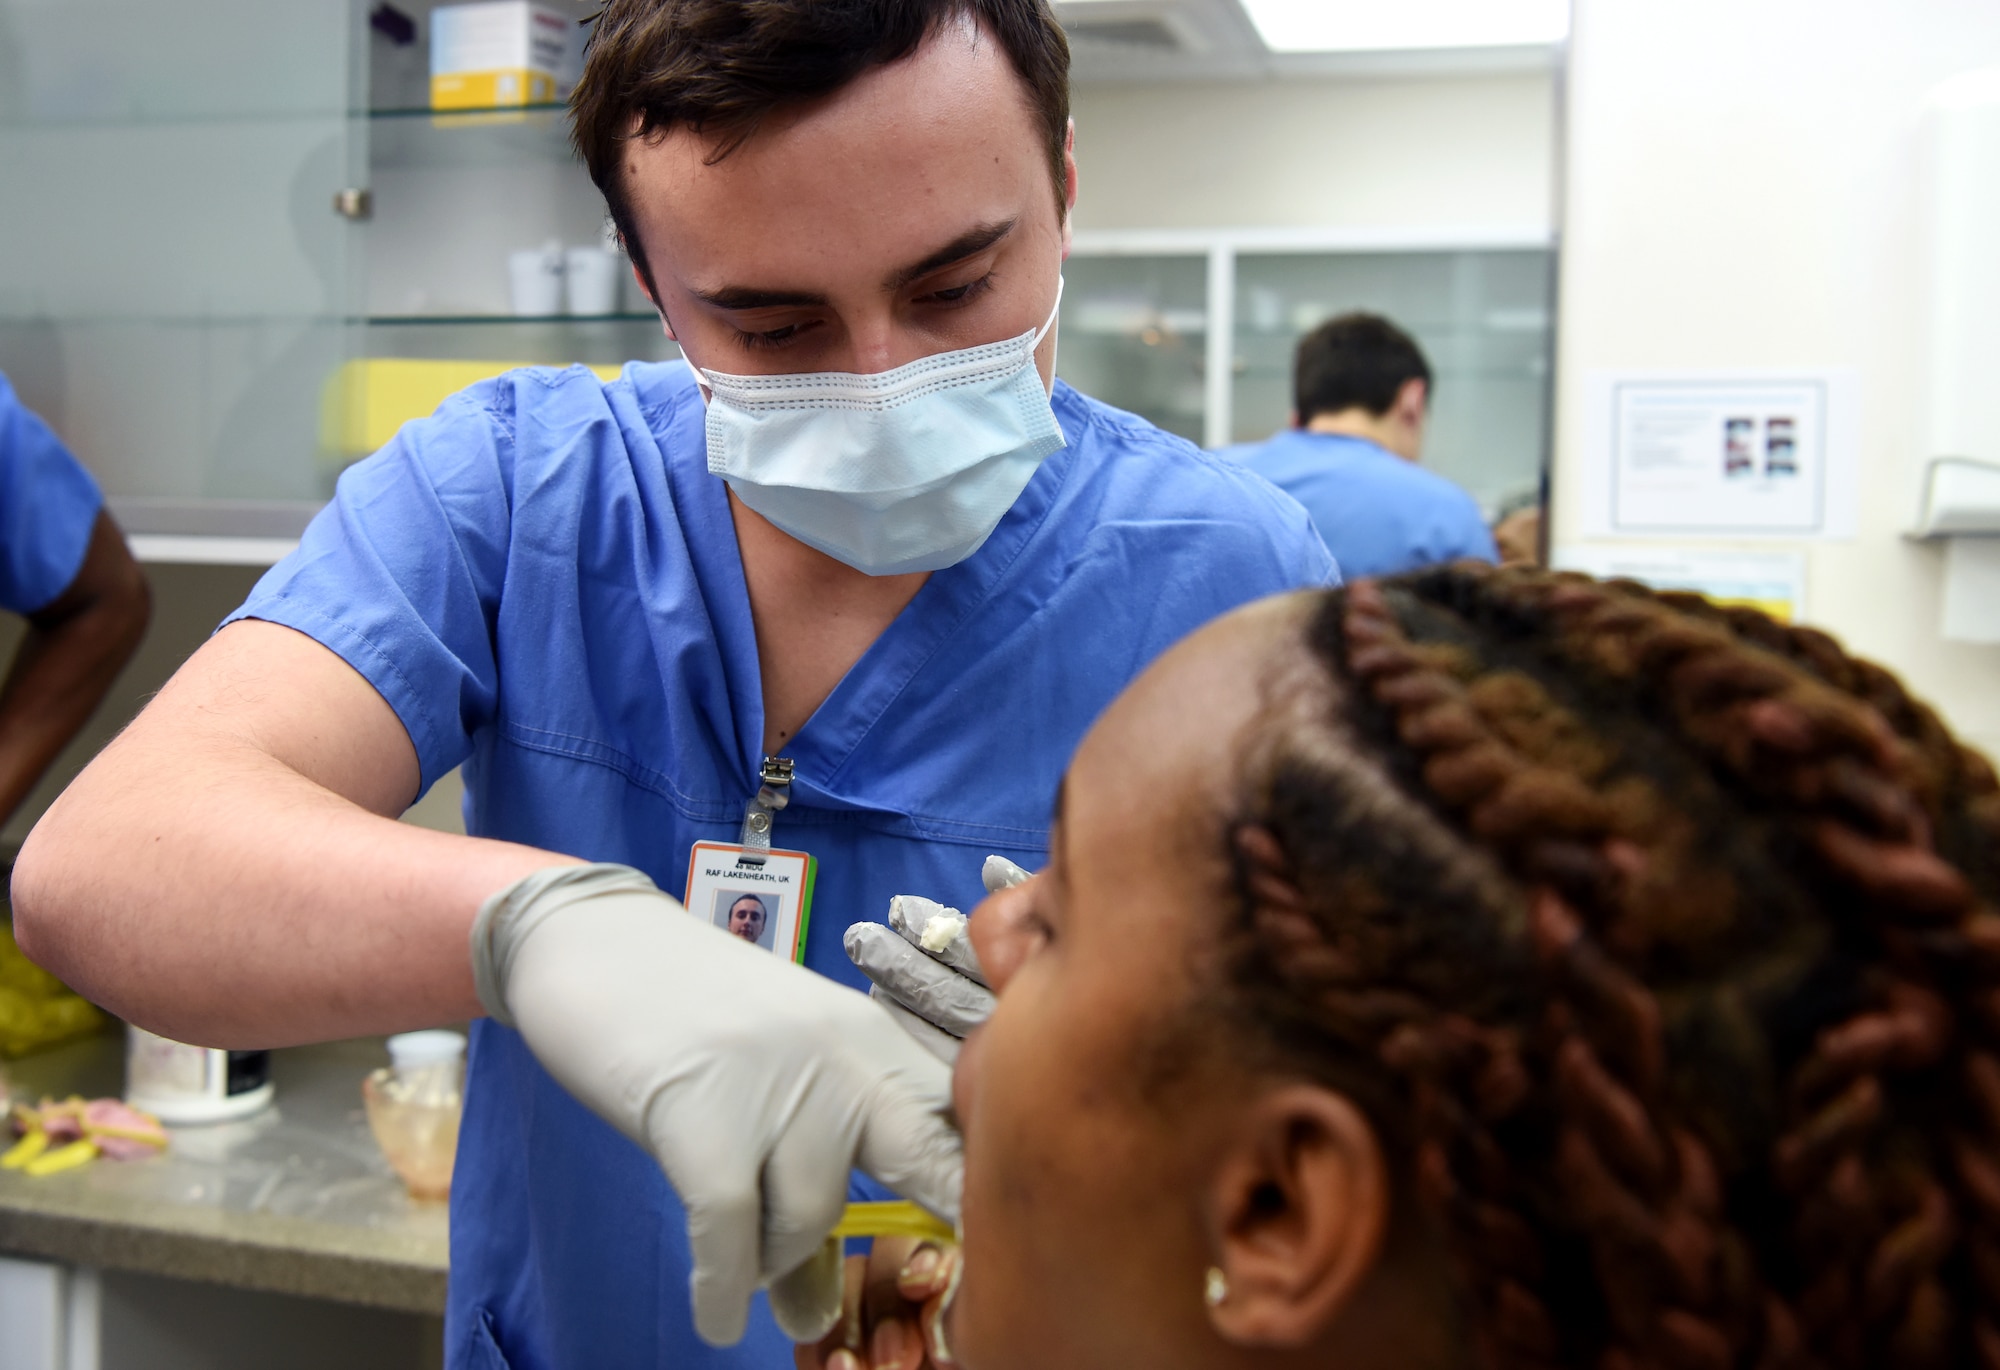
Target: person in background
(747, 917)
(842, 556)
(1361, 396)
(65, 567)
(1517, 531)
(1498, 969)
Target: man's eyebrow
(967, 244)
(970, 243)
(736, 297)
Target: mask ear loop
(1054, 310)
(1055, 353)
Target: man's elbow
(33, 894)
(54, 884)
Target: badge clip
(773, 793)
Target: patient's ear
(1297, 1210)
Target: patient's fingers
(893, 1299)
(926, 1274)
(894, 1341)
(845, 1347)
(927, 1280)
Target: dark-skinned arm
(75, 647)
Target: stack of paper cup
(535, 279)
(591, 275)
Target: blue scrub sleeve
(400, 575)
(48, 506)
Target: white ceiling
(1196, 40)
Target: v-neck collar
(827, 740)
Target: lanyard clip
(773, 793)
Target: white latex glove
(924, 969)
(755, 1083)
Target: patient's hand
(895, 1296)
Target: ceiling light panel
(1406, 25)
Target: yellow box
(367, 400)
(488, 89)
(502, 52)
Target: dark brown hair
(1355, 361)
(1663, 939)
(719, 67)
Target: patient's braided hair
(1663, 939)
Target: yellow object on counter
(36, 1009)
(894, 1219)
(25, 1151)
(62, 1135)
(62, 1158)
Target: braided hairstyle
(1665, 941)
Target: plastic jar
(183, 1085)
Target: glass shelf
(475, 117)
(499, 136)
(504, 320)
(521, 340)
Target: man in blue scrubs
(64, 567)
(1361, 392)
(854, 586)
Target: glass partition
(1481, 317)
(176, 280)
(240, 250)
(1135, 334)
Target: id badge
(764, 897)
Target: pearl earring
(1214, 1287)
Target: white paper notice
(1972, 589)
(1726, 455)
(1772, 581)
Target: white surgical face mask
(904, 470)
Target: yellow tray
(896, 1219)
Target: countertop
(297, 1200)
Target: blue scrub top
(543, 581)
(48, 505)
(1380, 515)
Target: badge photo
(763, 897)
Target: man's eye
(960, 294)
(775, 337)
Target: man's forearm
(226, 900)
(229, 870)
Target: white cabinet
(48, 1316)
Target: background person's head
(1496, 968)
(747, 916)
(846, 185)
(1361, 375)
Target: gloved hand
(756, 1084)
(923, 966)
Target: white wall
(1743, 192)
(1352, 152)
